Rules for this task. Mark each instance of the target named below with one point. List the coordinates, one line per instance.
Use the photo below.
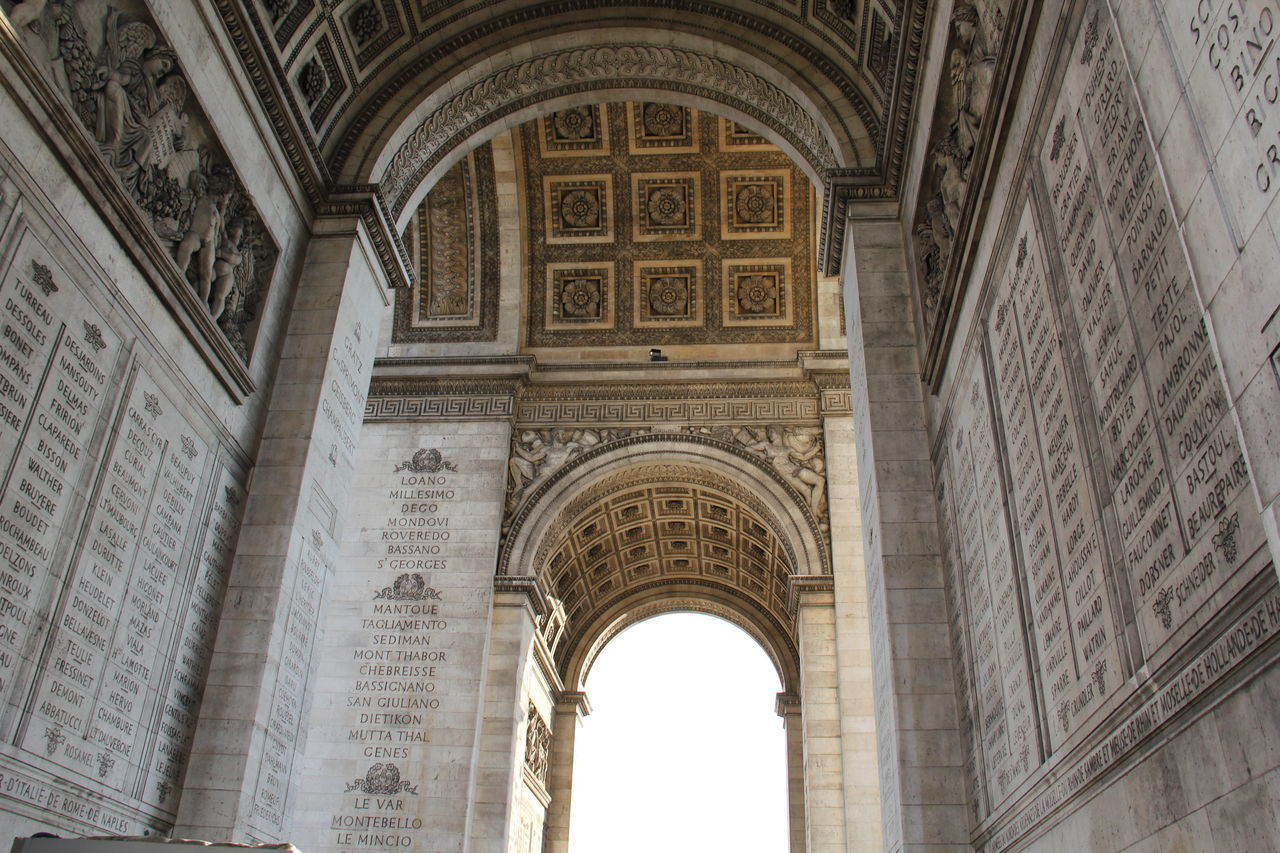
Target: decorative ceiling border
(701, 403)
(590, 69)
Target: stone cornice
(366, 202)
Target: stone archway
(662, 524)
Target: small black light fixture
(656, 355)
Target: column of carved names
(173, 724)
(308, 579)
(1061, 535)
(56, 354)
(1174, 470)
(284, 721)
(1005, 712)
(394, 688)
(119, 619)
(958, 630)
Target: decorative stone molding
(702, 403)
(809, 589)
(527, 586)
(573, 701)
(366, 202)
(396, 399)
(584, 69)
(835, 395)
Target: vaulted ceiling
(348, 81)
(640, 223)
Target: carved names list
(409, 623)
(120, 638)
(1094, 338)
(1175, 473)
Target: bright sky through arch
(683, 752)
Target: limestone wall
(128, 421)
(1104, 460)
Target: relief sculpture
(977, 30)
(127, 89)
(796, 453)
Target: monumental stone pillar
(395, 753)
(501, 751)
(788, 707)
(852, 629)
(920, 763)
(253, 730)
(813, 601)
(571, 707)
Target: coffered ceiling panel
(656, 224)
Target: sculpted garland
(127, 89)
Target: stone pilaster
(252, 729)
(921, 766)
(517, 604)
(813, 600)
(853, 637)
(788, 706)
(571, 707)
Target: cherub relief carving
(127, 89)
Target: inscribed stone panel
(118, 518)
(1227, 50)
(986, 585)
(1174, 472)
(1061, 532)
(397, 703)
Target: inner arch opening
(683, 750)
